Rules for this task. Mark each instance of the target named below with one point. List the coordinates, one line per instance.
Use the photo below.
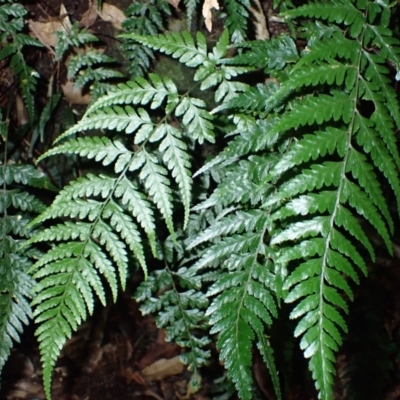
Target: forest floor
(119, 354)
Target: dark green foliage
(115, 209)
(181, 312)
(85, 66)
(143, 18)
(12, 42)
(17, 208)
(237, 20)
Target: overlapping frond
(326, 197)
(17, 208)
(243, 301)
(180, 306)
(143, 18)
(324, 179)
(13, 40)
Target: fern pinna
(310, 184)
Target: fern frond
(176, 160)
(190, 11)
(179, 45)
(243, 306)
(74, 37)
(12, 42)
(322, 180)
(181, 312)
(143, 18)
(196, 119)
(237, 18)
(353, 188)
(15, 310)
(139, 91)
(338, 11)
(154, 179)
(17, 208)
(270, 55)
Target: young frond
(73, 37)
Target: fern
(237, 19)
(12, 43)
(315, 202)
(282, 208)
(86, 66)
(180, 311)
(143, 18)
(17, 208)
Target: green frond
(73, 37)
(99, 148)
(24, 174)
(237, 19)
(241, 311)
(178, 45)
(15, 310)
(196, 120)
(17, 208)
(181, 312)
(235, 223)
(270, 55)
(13, 41)
(119, 118)
(316, 109)
(138, 205)
(228, 246)
(139, 91)
(143, 18)
(268, 356)
(64, 296)
(191, 6)
(338, 11)
(259, 100)
(176, 160)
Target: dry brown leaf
(22, 113)
(74, 96)
(44, 31)
(164, 368)
(208, 5)
(174, 3)
(112, 14)
(89, 17)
